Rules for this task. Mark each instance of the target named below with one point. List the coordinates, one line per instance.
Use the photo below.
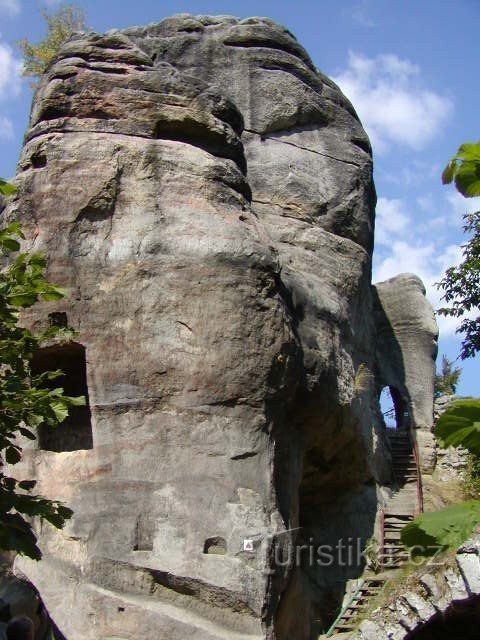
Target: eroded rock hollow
(207, 196)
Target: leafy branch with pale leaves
(27, 401)
(461, 284)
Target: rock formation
(406, 348)
(207, 196)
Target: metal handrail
(343, 609)
(416, 455)
(382, 535)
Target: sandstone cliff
(207, 196)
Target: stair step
(392, 547)
(396, 526)
(342, 627)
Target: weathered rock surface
(406, 348)
(451, 462)
(207, 196)
(433, 591)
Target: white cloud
(10, 84)
(361, 13)
(6, 129)
(390, 220)
(392, 105)
(10, 72)
(426, 202)
(12, 7)
(460, 205)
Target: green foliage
(449, 527)
(446, 381)
(459, 426)
(464, 169)
(472, 477)
(60, 26)
(6, 189)
(461, 284)
(26, 402)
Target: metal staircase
(405, 503)
(357, 606)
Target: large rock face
(206, 194)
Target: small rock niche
(215, 546)
(74, 433)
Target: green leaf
(15, 228)
(464, 168)
(22, 299)
(7, 189)
(52, 294)
(78, 401)
(467, 179)
(449, 527)
(460, 426)
(64, 512)
(60, 410)
(469, 151)
(449, 172)
(27, 485)
(10, 244)
(12, 455)
(37, 260)
(28, 434)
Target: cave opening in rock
(394, 409)
(460, 622)
(75, 432)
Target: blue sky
(410, 68)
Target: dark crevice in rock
(305, 76)
(252, 41)
(244, 456)
(192, 132)
(129, 578)
(121, 71)
(214, 596)
(38, 160)
(184, 324)
(363, 144)
(144, 532)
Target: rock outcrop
(406, 348)
(434, 592)
(207, 196)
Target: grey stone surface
(439, 590)
(451, 462)
(207, 196)
(406, 348)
